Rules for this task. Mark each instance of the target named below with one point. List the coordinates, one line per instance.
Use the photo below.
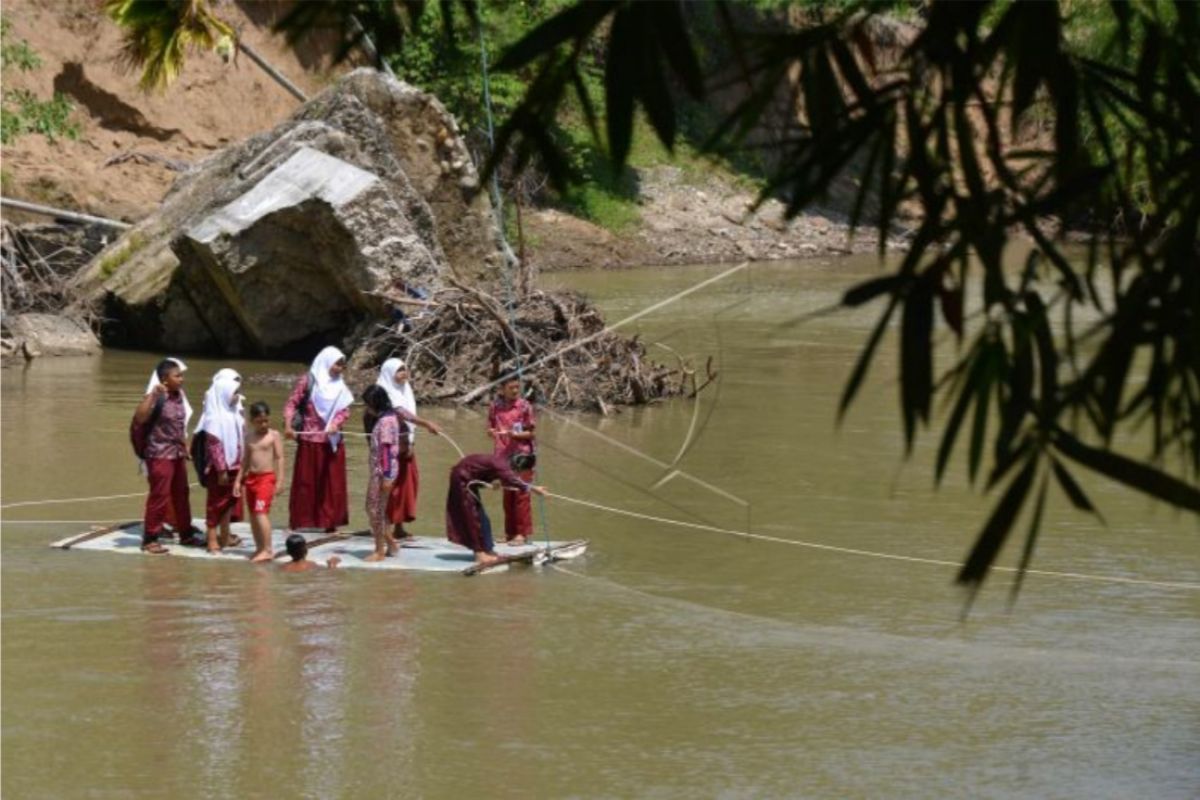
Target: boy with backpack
(159, 435)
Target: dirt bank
(690, 221)
(133, 145)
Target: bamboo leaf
(575, 22)
(996, 529)
(870, 289)
(619, 86)
(1124, 470)
(916, 357)
(864, 359)
(1072, 489)
(983, 397)
(1035, 525)
(967, 391)
(677, 46)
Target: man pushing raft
(467, 523)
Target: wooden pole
(96, 533)
(71, 216)
(369, 48)
(274, 73)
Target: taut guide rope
(775, 540)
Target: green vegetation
(16, 54)
(441, 54)
(21, 111)
(159, 33)
(118, 257)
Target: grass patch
(23, 112)
(119, 257)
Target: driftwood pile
(39, 262)
(459, 341)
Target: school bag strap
(302, 407)
(139, 432)
(199, 453)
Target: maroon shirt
(168, 437)
(216, 456)
(515, 416)
(313, 424)
(487, 468)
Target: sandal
(154, 548)
(193, 539)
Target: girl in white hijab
(329, 392)
(223, 423)
(402, 505)
(317, 409)
(393, 377)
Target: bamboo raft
(425, 554)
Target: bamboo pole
(72, 216)
(274, 73)
(96, 533)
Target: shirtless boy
(262, 466)
(297, 548)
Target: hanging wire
(510, 259)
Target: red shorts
(260, 491)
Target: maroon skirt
(220, 499)
(318, 496)
(402, 503)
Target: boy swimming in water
(297, 548)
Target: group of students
(244, 463)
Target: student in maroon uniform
(223, 425)
(511, 426)
(467, 523)
(165, 411)
(322, 401)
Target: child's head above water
(297, 547)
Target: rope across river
(741, 535)
(665, 521)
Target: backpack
(298, 416)
(139, 432)
(199, 453)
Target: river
(827, 660)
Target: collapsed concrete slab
(285, 240)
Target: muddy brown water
(671, 662)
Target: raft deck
(425, 554)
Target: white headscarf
(401, 394)
(329, 394)
(223, 416)
(154, 381)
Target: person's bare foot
(213, 551)
(375, 557)
(486, 558)
(516, 541)
(259, 558)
